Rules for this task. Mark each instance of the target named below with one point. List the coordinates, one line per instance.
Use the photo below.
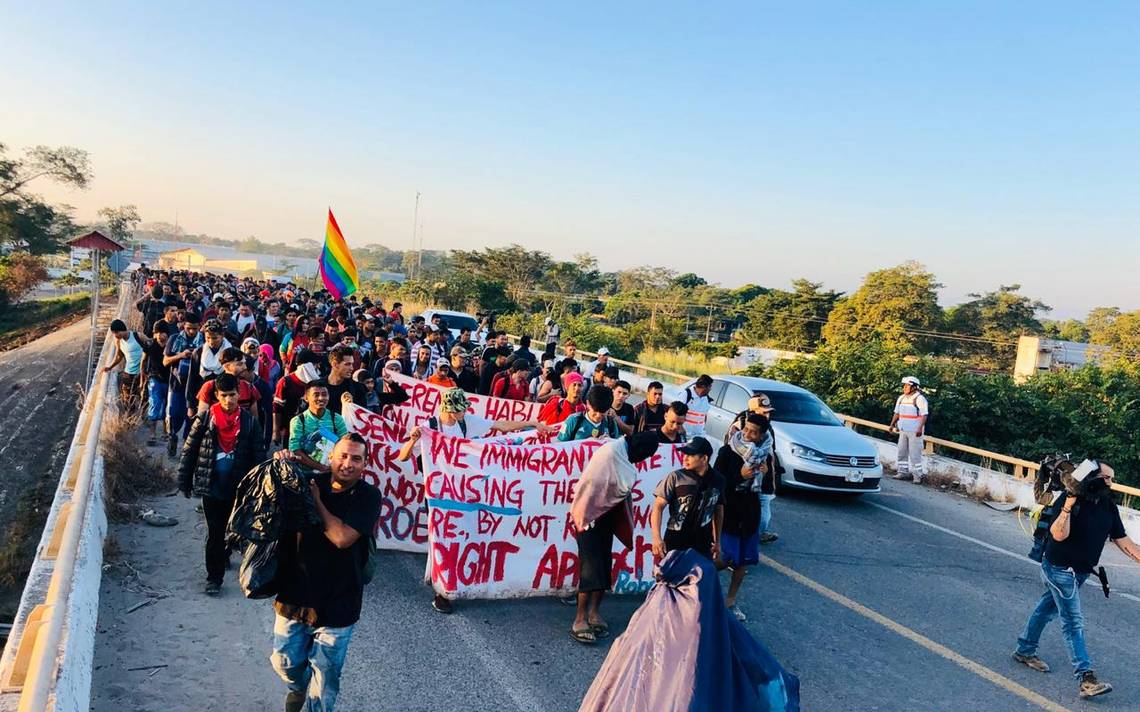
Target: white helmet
(911, 380)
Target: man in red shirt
(233, 363)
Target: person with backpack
(560, 408)
(452, 419)
(511, 384)
(696, 399)
(315, 430)
(223, 445)
(178, 356)
(909, 421)
(593, 423)
(1086, 517)
(129, 351)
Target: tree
(1067, 330)
(519, 269)
(121, 222)
(687, 280)
(790, 320)
(890, 303)
(999, 316)
(20, 272)
(1116, 329)
(26, 221)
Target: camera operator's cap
(604, 351)
(698, 446)
(760, 402)
(911, 380)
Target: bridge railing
(1021, 469)
(46, 661)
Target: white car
(455, 321)
(814, 450)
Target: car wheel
(778, 486)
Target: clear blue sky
(995, 142)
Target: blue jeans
(766, 511)
(176, 410)
(156, 399)
(309, 660)
(1062, 595)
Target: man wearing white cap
(909, 421)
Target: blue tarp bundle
(684, 651)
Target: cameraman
(1072, 551)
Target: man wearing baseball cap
(909, 421)
(694, 495)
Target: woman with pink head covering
(560, 408)
(268, 369)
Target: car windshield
(802, 408)
(460, 322)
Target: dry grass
(681, 362)
(129, 471)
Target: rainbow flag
(338, 270)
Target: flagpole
(415, 224)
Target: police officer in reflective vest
(909, 421)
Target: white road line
(498, 667)
(965, 537)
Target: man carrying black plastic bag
(320, 580)
(223, 445)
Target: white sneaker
(738, 613)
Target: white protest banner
(403, 517)
(499, 517)
(402, 525)
(423, 403)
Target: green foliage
(120, 222)
(20, 272)
(888, 304)
(789, 320)
(1001, 315)
(28, 223)
(1093, 411)
(31, 314)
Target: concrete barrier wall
(978, 481)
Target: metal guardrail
(637, 368)
(31, 656)
(1022, 469)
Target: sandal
(584, 635)
(601, 630)
(441, 604)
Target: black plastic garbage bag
(684, 651)
(271, 499)
(258, 573)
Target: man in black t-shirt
(695, 498)
(1076, 540)
(651, 411)
(157, 379)
(320, 577)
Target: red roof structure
(96, 240)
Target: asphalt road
(38, 410)
(872, 605)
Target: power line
(737, 309)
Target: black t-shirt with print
(154, 368)
(1091, 526)
(648, 418)
(359, 397)
(317, 582)
(626, 414)
(693, 500)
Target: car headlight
(807, 453)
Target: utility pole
(708, 326)
(415, 228)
